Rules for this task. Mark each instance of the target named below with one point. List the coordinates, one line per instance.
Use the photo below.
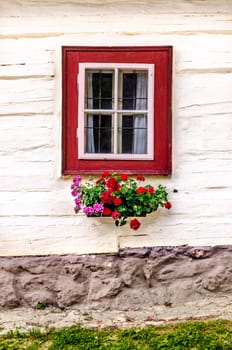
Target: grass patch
(211, 335)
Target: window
(116, 109)
(115, 118)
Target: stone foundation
(133, 279)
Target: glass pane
(98, 132)
(133, 94)
(127, 134)
(133, 134)
(99, 90)
(140, 134)
(129, 91)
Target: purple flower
(98, 208)
(88, 210)
(74, 193)
(75, 190)
(77, 180)
(78, 201)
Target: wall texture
(36, 209)
(133, 279)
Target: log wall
(36, 208)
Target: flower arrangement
(119, 196)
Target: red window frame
(161, 57)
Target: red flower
(106, 211)
(167, 205)
(140, 178)
(112, 184)
(141, 190)
(106, 174)
(117, 201)
(124, 177)
(134, 224)
(151, 190)
(115, 215)
(101, 180)
(106, 197)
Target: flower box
(119, 196)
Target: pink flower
(78, 201)
(98, 208)
(77, 180)
(74, 193)
(88, 210)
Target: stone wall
(133, 279)
(36, 209)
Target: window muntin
(115, 111)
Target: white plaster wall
(36, 208)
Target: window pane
(140, 134)
(98, 132)
(133, 134)
(127, 134)
(99, 90)
(129, 91)
(134, 90)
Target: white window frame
(82, 110)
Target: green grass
(211, 335)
